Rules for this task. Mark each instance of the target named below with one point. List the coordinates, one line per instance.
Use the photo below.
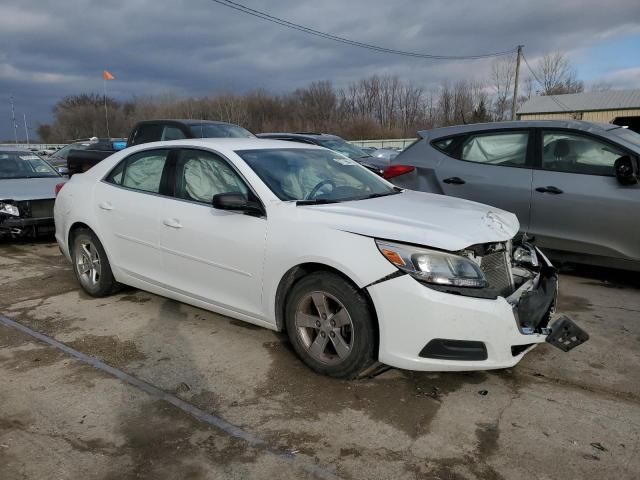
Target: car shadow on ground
(602, 276)
(26, 241)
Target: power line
(285, 23)
(557, 101)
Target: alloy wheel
(325, 327)
(88, 264)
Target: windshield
(219, 130)
(64, 151)
(24, 165)
(345, 148)
(628, 135)
(314, 175)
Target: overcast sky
(52, 48)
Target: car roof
(477, 127)
(307, 135)
(10, 149)
(228, 144)
(187, 122)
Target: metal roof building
(621, 107)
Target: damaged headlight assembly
(433, 266)
(9, 209)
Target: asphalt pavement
(138, 386)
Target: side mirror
(63, 170)
(237, 202)
(626, 170)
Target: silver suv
(572, 184)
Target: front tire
(330, 325)
(91, 265)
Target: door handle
(454, 181)
(106, 206)
(172, 223)
(549, 189)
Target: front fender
(355, 256)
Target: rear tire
(330, 325)
(91, 265)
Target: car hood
(427, 219)
(29, 188)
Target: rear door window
(504, 148)
(141, 171)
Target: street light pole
(13, 117)
(26, 130)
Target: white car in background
(300, 238)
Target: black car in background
(335, 143)
(161, 130)
(81, 160)
(59, 158)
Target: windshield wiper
(386, 194)
(317, 201)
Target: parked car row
(501, 164)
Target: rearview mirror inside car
(626, 169)
(238, 202)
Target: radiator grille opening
(39, 208)
(497, 271)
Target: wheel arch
(294, 274)
(72, 231)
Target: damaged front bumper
(26, 218)
(435, 329)
(534, 304)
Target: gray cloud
(49, 49)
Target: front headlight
(9, 209)
(433, 266)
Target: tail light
(393, 171)
(58, 188)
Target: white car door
(128, 206)
(212, 255)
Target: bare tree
(315, 106)
(503, 73)
(373, 107)
(557, 75)
(410, 107)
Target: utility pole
(26, 130)
(13, 117)
(515, 86)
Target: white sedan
(302, 239)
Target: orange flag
(107, 75)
